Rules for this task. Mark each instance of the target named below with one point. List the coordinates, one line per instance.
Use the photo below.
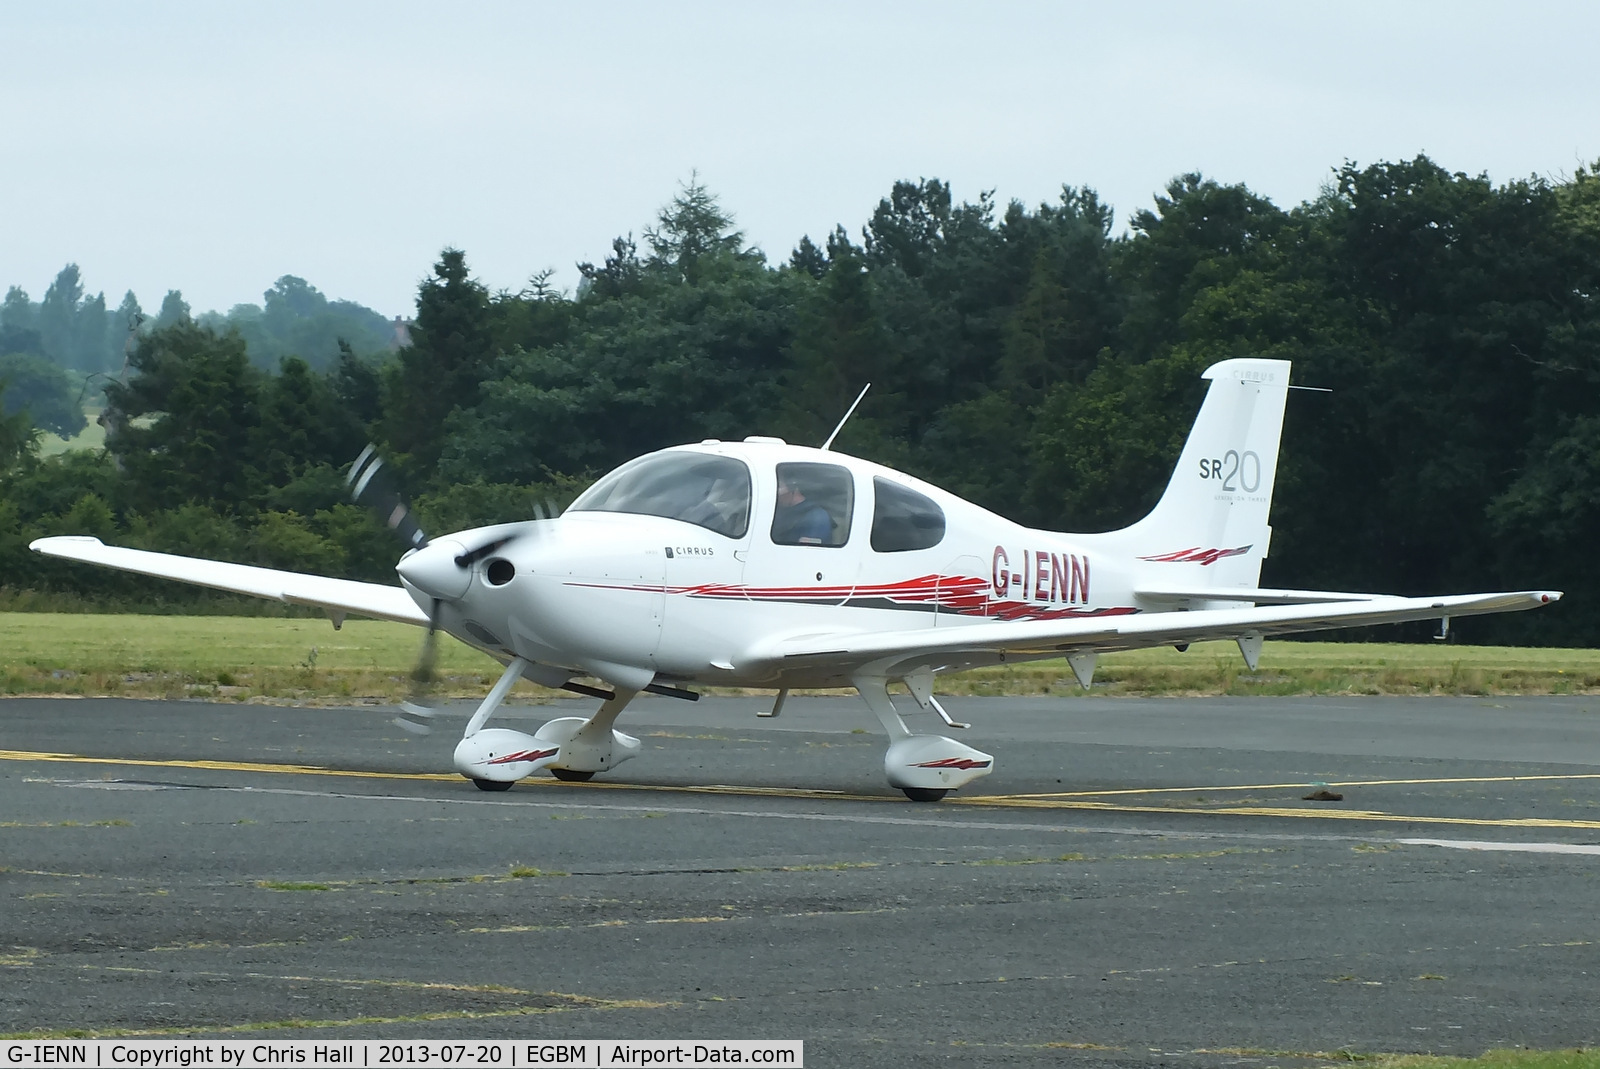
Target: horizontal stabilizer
(296, 588)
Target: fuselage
(677, 563)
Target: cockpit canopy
(699, 488)
(815, 503)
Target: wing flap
(1054, 637)
(337, 595)
(1257, 595)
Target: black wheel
(492, 784)
(571, 775)
(925, 794)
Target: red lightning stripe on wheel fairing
(953, 762)
(1196, 555)
(524, 755)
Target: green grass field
(91, 437)
(1494, 1059)
(306, 660)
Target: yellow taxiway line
(1303, 784)
(1078, 800)
(997, 801)
(220, 766)
(430, 777)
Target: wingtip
(42, 545)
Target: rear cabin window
(814, 505)
(699, 488)
(903, 519)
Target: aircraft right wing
(984, 642)
(336, 595)
(1256, 595)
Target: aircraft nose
(434, 571)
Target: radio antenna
(847, 416)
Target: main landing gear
(574, 748)
(924, 767)
(571, 747)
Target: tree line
(1031, 359)
(56, 354)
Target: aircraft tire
(492, 784)
(571, 775)
(924, 794)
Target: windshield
(708, 491)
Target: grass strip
(1494, 1059)
(305, 660)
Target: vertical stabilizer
(1210, 527)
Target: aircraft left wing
(982, 642)
(335, 595)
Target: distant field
(91, 437)
(306, 660)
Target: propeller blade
(415, 712)
(371, 485)
(523, 530)
(414, 718)
(473, 556)
(422, 674)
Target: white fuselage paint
(687, 602)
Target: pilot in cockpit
(798, 521)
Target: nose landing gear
(572, 747)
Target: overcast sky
(214, 147)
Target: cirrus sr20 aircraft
(767, 565)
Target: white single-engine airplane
(763, 564)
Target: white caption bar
(479, 1054)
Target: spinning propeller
(442, 570)
(371, 485)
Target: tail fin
(1210, 527)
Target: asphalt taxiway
(1138, 882)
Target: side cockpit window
(699, 488)
(903, 519)
(814, 505)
